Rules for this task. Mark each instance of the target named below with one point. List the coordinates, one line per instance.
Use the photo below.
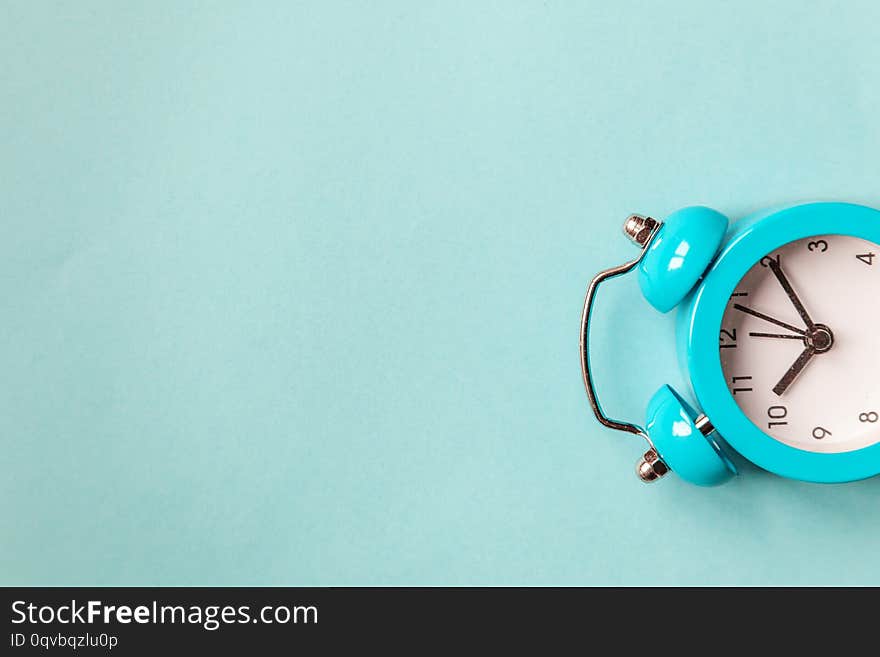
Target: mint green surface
(290, 292)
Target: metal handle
(641, 230)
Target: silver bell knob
(651, 467)
(639, 229)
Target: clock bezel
(751, 240)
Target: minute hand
(789, 290)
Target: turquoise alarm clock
(778, 332)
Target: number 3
(821, 246)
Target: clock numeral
(867, 258)
(819, 433)
(820, 245)
(739, 294)
(736, 380)
(870, 416)
(765, 261)
(776, 413)
(727, 339)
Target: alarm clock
(778, 333)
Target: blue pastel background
(289, 292)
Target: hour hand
(798, 367)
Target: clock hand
(789, 290)
(799, 365)
(742, 308)
(776, 335)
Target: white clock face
(800, 344)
